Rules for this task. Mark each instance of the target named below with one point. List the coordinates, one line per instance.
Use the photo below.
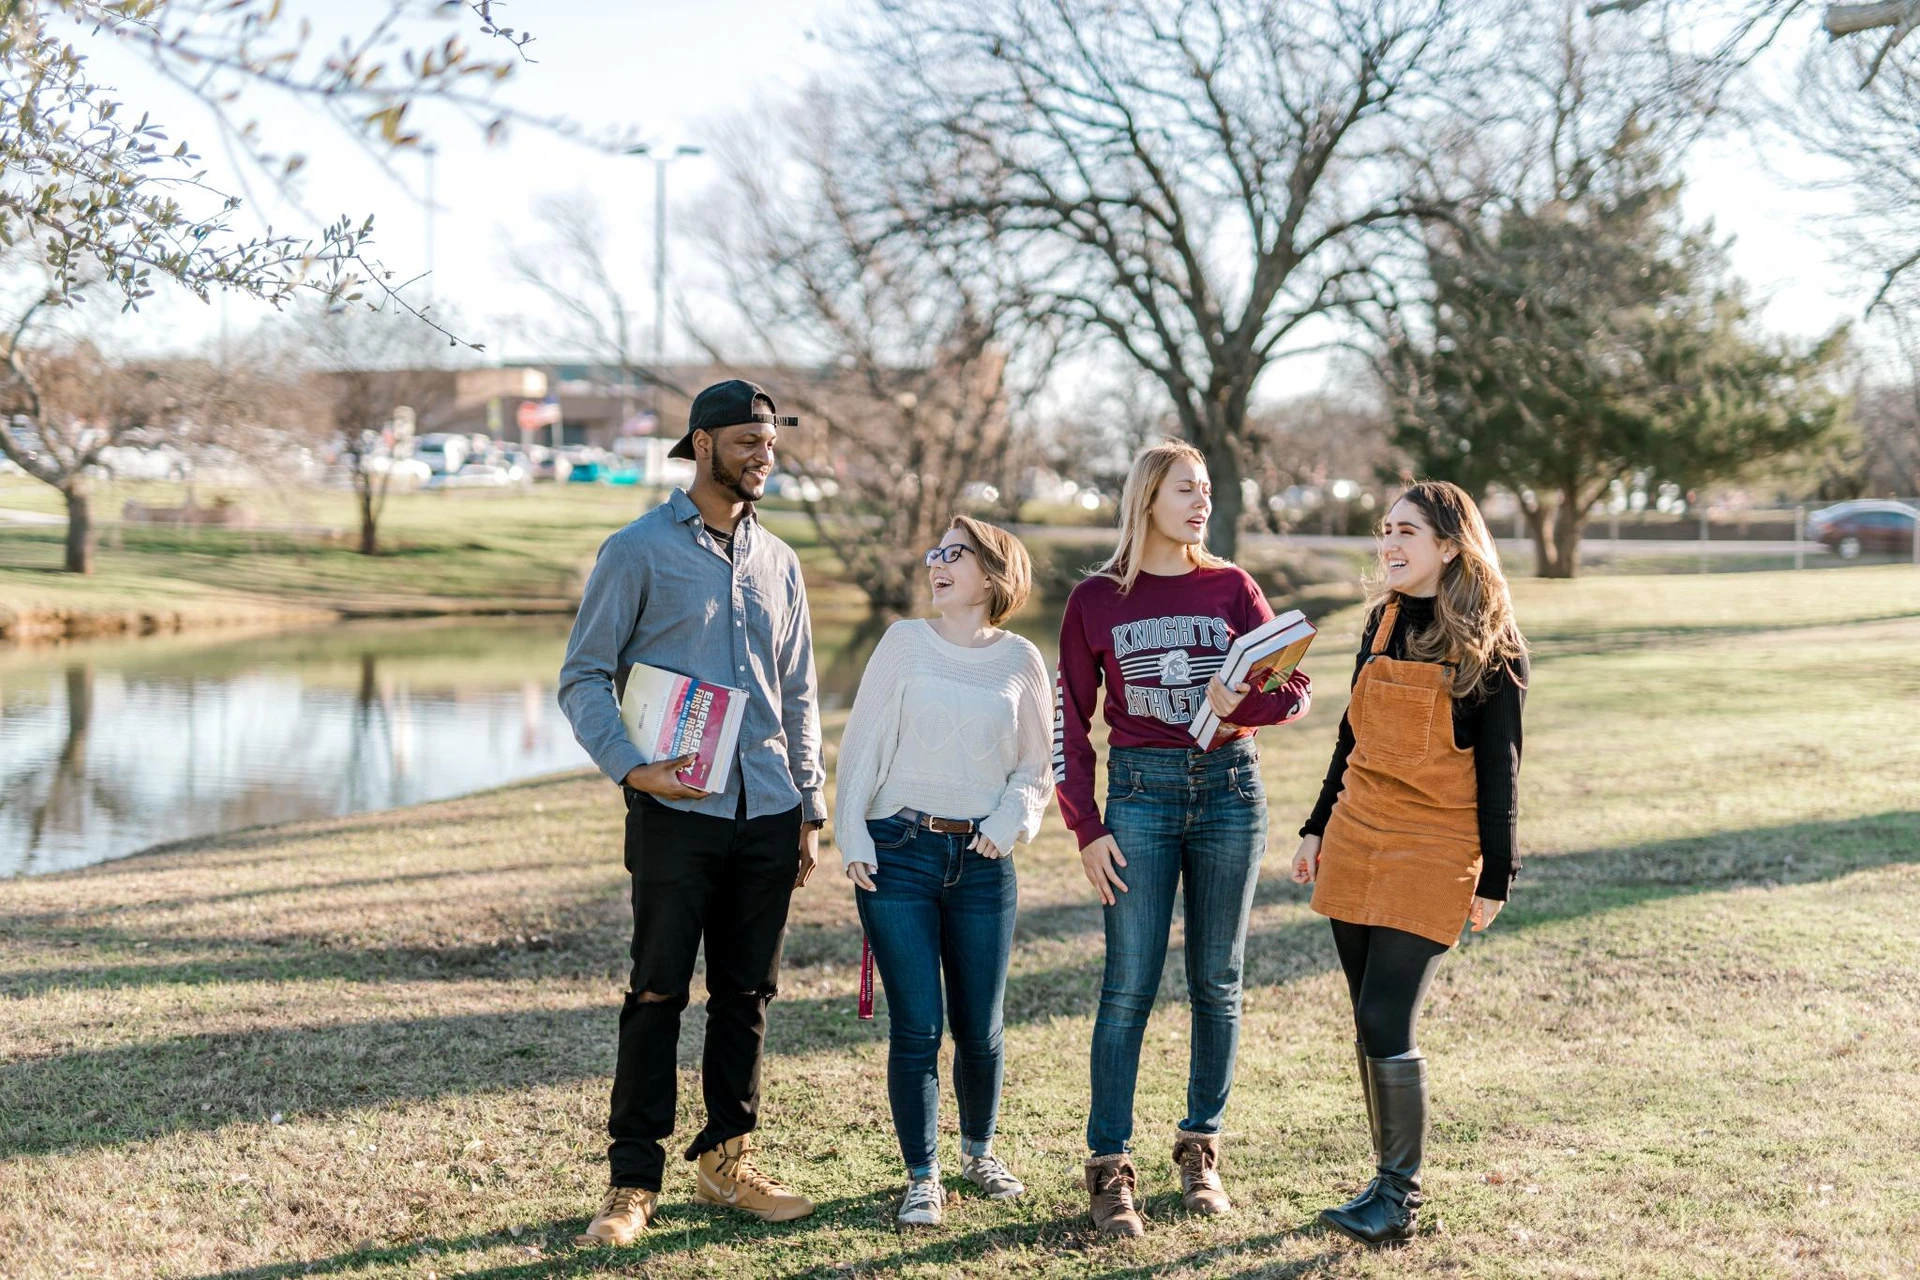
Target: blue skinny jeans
(938, 909)
(1196, 822)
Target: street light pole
(660, 162)
(429, 151)
(659, 266)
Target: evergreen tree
(1591, 340)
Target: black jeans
(1388, 972)
(729, 879)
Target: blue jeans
(939, 906)
(1197, 821)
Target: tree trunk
(1223, 468)
(1556, 532)
(1542, 547)
(369, 515)
(1851, 19)
(80, 537)
(1572, 524)
(73, 755)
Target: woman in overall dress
(1183, 827)
(1413, 836)
(944, 766)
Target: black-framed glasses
(946, 555)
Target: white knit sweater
(948, 730)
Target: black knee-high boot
(1388, 1211)
(1373, 1122)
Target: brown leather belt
(940, 826)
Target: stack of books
(668, 715)
(1264, 658)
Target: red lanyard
(866, 979)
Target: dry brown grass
(380, 1046)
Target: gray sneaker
(993, 1178)
(924, 1205)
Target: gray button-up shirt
(663, 593)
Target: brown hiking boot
(1112, 1184)
(624, 1214)
(1197, 1158)
(728, 1178)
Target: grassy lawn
(457, 552)
(441, 550)
(380, 1046)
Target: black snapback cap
(732, 403)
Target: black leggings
(1387, 975)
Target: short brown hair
(1003, 558)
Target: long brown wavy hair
(1149, 472)
(1473, 628)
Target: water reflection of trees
(846, 659)
(67, 791)
(148, 746)
(372, 723)
(182, 740)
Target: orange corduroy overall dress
(1402, 847)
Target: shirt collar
(685, 511)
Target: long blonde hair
(1473, 626)
(1149, 472)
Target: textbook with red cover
(1264, 659)
(669, 715)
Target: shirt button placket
(739, 624)
(739, 644)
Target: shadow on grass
(130, 1093)
(202, 961)
(1595, 642)
(584, 936)
(684, 1228)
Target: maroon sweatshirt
(1154, 648)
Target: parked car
(549, 464)
(1869, 524)
(476, 475)
(162, 462)
(410, 470)
(442, 451)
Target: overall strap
(1384, 632)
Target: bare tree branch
(890, 342)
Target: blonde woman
(1413, 837)
(1153, 626)
(943, 769)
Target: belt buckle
(948, 826)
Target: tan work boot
(624, 1214)
(1197, 1158)
(1112, 1184)
(728, 1178)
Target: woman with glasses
(1153, 625)
(944, 767)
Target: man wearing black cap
(699, 587)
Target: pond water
(110, 747)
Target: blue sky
(671, 70)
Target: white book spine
(729, 739)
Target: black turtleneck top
(1486, 723)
